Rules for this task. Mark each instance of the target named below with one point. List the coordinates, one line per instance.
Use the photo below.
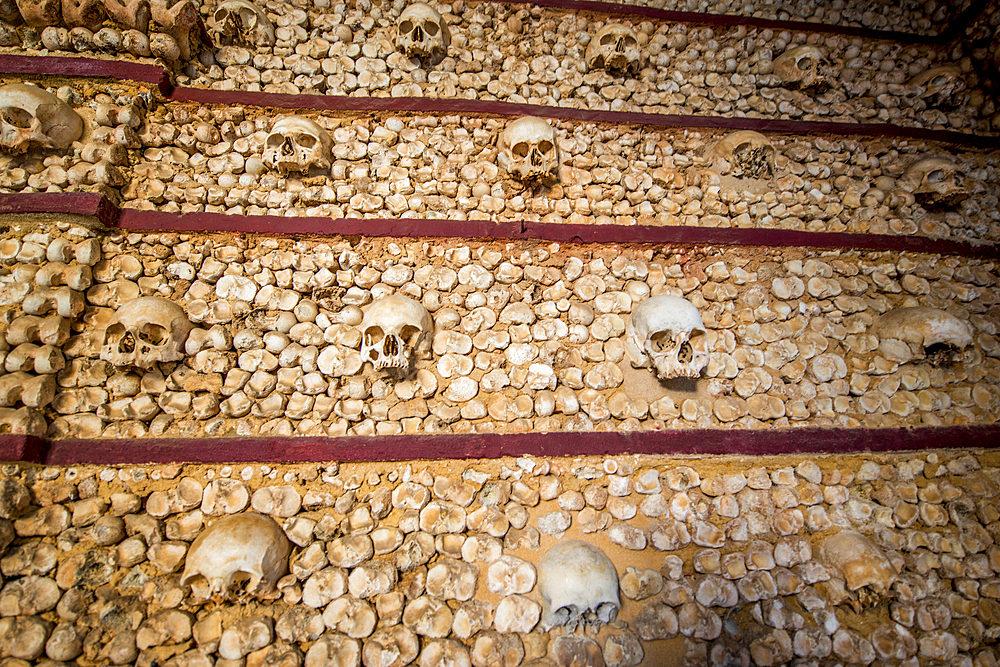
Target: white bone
(579, 586)
(800, 66)
(239, 22)
(750, 151)
(924, 326)
(393, 330)
(528, 149)
(615, 47)
(422, 32)
(667, 333)
(33, 117)
(297, 144)
(145, 331)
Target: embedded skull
(800, 67)
(297, 144)
(940, 86)
(939, 333)
(579, 587)
(393, 330)
(667, 333)
(615, 47)
(31, 117)
(856, 558)
(749, 152)
(528, 149)
(145, 331)
(421, 31)
(242, 23)
(240, 547)
(935, 183)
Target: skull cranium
(801, 67)
(940, 86)
(749, 152)
(937, 332)
(528, 149)
(33, 117)
(242, 23)
(145, 331)
(615, 47)
(241, 546)
(667, 333)
(421, 32)
(935, 183)
(579, 586)
(297, 144)
(393, 330)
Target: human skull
(667, 332)
(801, 67)
(392, 330)
(935, 183)
(615, 47)
(242, 23)
(528, 149)
(579, 587)
(238, 547)
(145, 331)
(856, 558)
(297, 144)
(748, 151)
(939, 333)
(31, 117)
(940, 86)
(422, 32)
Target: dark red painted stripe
(53, 66)
(154, 221)
(714, 442)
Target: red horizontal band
(712, 442)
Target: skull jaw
(941, 198)
(286, 164)
(683, 361)
(573, 617)
(621, 62)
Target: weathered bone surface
(579, 587)
(145, 331)
(858, 560)
(422, 32)
(242, 23)
(528, 149)
(749, 151)
(924, 326)
(801, 67)
(667, 333)
(297, 144)
(935, 183)
(941, 87)
(615, 47)
(247, 545)
(394, 330)
(31, 117)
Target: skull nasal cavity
(685, 354)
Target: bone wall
(177, 157)
(717, 562)
(527, 337)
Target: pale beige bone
(65, 301)
(422, 32)
(667, 333)
(146, 331)
(297, 144)
(31, 117)
(615, 47)
(751, 151)
(241, 23)
(579, 586)
(22, 421)
(52, 330)
(801, 66)
(941, 85)
(924, 326)
(858, 560)
(528, 149)
(935, 182)
(395, 330)
(250, 545)
(246, 636)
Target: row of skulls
(664, 333)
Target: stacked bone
(49, 279)
(508, 562)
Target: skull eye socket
(936, 176)
(663, 341)
(406, 26)
(630, 42)
(607, 39)
(304, 140)
(741, 149)
(16, 117)
(275, 140)
(431, 29)
(545, 146)
(804, 63)
(939, 80)
(153, 334)
(410, 334)
(521, 149)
